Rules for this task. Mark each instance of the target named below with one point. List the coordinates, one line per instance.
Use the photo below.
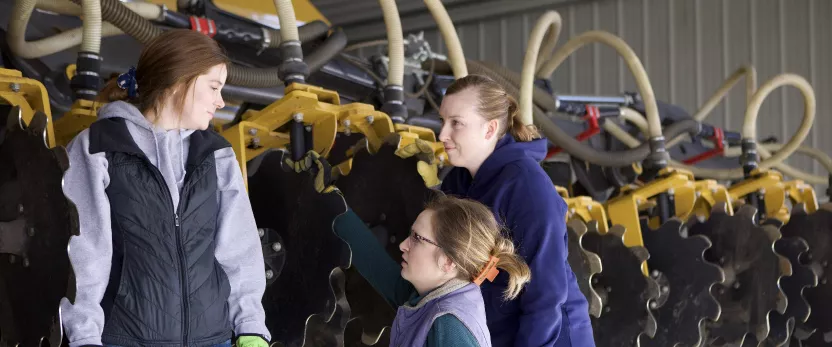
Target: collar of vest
(445, 289)
(112, 135)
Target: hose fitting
(87, 81)
(749, 157)
(658, 157)
(293, 69)
(394, 103)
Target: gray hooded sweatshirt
(238, 248)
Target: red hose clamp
(591, 117)
(719, 148)
(204, 25)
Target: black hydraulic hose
(332, 46)
(131, 23)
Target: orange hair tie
(489, 272)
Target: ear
(492, 127)
(446, 264)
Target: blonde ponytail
(521, 132)
(518, 272)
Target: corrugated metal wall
(689, 47)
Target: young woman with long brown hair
(168, 252)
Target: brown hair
(468, 233)
(496, 103)
(169, 63)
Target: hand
(418, 147)
(252, 341)
(310, 162)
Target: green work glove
(251, 341)
(313, 162)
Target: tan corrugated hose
(395, 42)
(446, 27)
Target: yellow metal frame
(587, 210)
(30, 95)
(801, 193)
(708, 194)
(771, 184)
(82, 114)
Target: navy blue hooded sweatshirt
(551, 310)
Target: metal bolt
(824, 263)
(370, 119)
(12, 259)
(31, 231)
(308, 128)
(638, 201)
(255, 142)
(823, 281)
(269, 274)
(261, 232)
(252, 131)
(277, 246)
(654, 273)
(382, 217)
(589, 207)
(762, 191)
(20, 208)
(298, 117)
(347, 127)
(609, 289)
(665, 289)
(15, 87)
(653, 305)
(698, 194)
(713, 190)
(671, 191)
(392, 239)
(736, 285)
(607, 309)
(25, 262)
(441, 157)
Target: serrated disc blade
(689, 279)
(752, 268)
(625, 290)
(287, 202)
(584, 263)
(36, 222)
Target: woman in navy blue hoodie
(496, 161)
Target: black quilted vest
(166, 288)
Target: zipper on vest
(183, 283)
(179, 249)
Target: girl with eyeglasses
(454, 245)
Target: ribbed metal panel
(689, 47)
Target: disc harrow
(753, 270)
(287, 202)
(625, 292)
(686, 280)
(36, 223)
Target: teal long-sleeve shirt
(372, 262)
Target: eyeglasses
(415, 237)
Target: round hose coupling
(394, 104)
(658, 157)
(749, 156)
(292, 69)
(87, 81)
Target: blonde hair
(496, 103)
(469, 235)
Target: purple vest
(460, 298)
